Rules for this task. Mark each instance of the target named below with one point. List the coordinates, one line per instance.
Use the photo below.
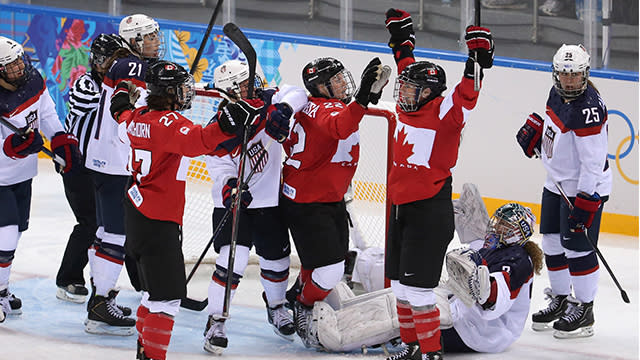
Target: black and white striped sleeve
(84, 101)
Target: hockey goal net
(366, 202)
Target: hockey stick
(196, 305)
(623, 293)
(235, 34)
(476, 66)
(60, 161)
(205, 38)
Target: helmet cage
(103, 47)
(11, 52)
(170, 80)
(510, 224)
(331, 74)
(231, 75)
(571, 59)
(417, 77)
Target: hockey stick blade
(233, 32)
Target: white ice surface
(52, 329)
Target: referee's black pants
(80, 192)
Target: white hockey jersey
(265, 183)
(108, 148)
(30, 104)
(574, 144)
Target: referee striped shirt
(84, 101)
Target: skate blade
(586, 331)
(284, 336)
(542, 326)
(216, 350)
(15, 312)
(100, 328)
(66, 296)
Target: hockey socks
(405, 318)
(427, 323)
(311, 293)
(156, 334)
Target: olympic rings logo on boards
(621, 155)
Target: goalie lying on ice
(483, 305)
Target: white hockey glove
(470, 214)
(468, 277)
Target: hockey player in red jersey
(106, 156)
(261, 222)
(427, 137)
(572, 137)
(322, 154)
(26, 104)
(154, 202)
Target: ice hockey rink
(53, 329)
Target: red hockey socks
(141, 314)
(405, 318)
(427, 324)
(311, 293)
(156, 335)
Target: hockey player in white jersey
(486, 314)
(572, 137)
(26, 104)
(84, 102)
(262, 225)
(107, 155)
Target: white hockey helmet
(136, 27)
(510, 224)
(10, 52)
(231, 74)
(574, 60)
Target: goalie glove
(469, 278)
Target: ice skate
(281, 320)
(126, 311)
(410, 352)
(14, 304)
(105, 318)
(75, 293)
(557, 305)
(576, 322)
(215, 338)
(306, 327)
(433, 355)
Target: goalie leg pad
(365, 320)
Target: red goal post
(368, 209)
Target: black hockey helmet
(102, 47)
(170, 80)
(321, 71)
(420, 75)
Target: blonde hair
(536, 255)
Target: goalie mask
(14, 64)
(170, 80)
(148, 41)
(327, 78)
(571, 65)
(510, 224)
(233, 77)
(414, 80)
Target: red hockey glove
(20, 146)
(277, 125)
(229, 194)
(584, 209)
(66, 146)
(480, 42)
(530, 134)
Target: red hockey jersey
(322, 151)
(426, 144)
(159, 140)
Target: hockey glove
(369, 76)
(584, 209)
(400, 26)
(277, 125)
(469, 276)
(229, 191)
(234, 117)
(66, 146)
(124, 98)
(20, 146)
(530, 134)
(480, 45)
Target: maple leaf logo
(402, 149)
(355, 153)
